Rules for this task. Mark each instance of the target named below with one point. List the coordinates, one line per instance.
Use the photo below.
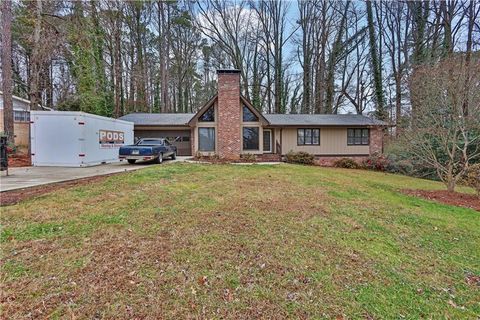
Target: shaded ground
(471, 201)
(240, 242)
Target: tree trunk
(398, 103)
(48, 86)
(332, 62)
(451, 185)
(320, 66)
(163, 27)
(418, 56)
(377, 68)
(35, 59)
(447, 28)
(468, 57)
(7, 70)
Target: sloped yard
(223, 241)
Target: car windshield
(149, 142)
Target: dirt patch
(458, 199)
(8, 198)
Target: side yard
(226, 241)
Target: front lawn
(227, 241)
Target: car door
(168, 148)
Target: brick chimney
(229, 114)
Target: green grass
(224, 241)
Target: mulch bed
(15, 196)
(226, 161)
(458, 199)
(18, 160)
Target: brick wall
(229, 115)
(376, 140)
(192, 141)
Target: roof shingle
(158, 119)
(322, 120)
(182, 119)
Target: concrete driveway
(25, 177)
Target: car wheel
(174, 155)
(131, 161)
(160, 158)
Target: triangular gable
(259, 115)
(204, 108)
(243, 100)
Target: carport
(172, 126)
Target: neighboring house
(21, 119)
(228, 126)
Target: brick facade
(376, 140)
(229, 115)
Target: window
(206, 139)
(208, 116)
(150, 142)
(308, 137)
(185, 139)
(21, 116)
(250, 138)
(267, 140)
(248, 115)
(358, 137)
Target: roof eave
(324, 125)
(160, 125)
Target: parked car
(148, 149)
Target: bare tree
(324, 26)
(356, 84)
(273, 17)
(307, 11)
(396, 35)
(227, 25)
(443, 136)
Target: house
(21, 119)
(228, 126)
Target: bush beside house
(347, 163)
(299, 157)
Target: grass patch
(224, 241)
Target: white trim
(75, 113)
